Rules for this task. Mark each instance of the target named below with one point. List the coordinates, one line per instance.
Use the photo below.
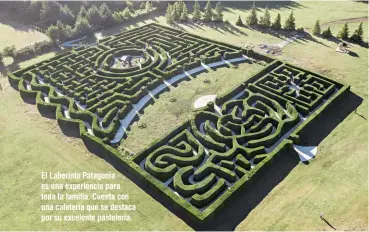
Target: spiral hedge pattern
(91, 88)
(207, 159)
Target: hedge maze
(225, 145)
(218, 151)
(105, 85)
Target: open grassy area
(30, 144)
(335, 183)
(13, 33)
(175, 106)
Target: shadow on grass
(237, 208)
(334, 114)
(353, 54)
(329, 224)
(247, 5)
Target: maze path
(95, 85)
(206, 160)
(225, 144)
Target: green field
(13, 33)
(335, 183)
(184, 95)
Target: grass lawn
(13, 33)
(335, 182)
(30, 144)
(164, 115)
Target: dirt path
(341, 21)
(349, 20)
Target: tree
(53, 32)
(276, 25)
(196, 15)
(344, 32)
(316, 28)
(208, 12)
(218, 16)
(82, 27)
(148, 6)
(93, 16)
(82, 13)
(290, 23)
(117, 17)
(265, 19)
(176, 11)
(66, 15)
(9, 51)
(142, 6)
(126, 13)
(106, 14)
(184, 14)
(59, 31)
(357, 36)
(1, 58)
(33, 10)
(169, 14)
(49, 10)
(252, 19)
(327, 33)
(239, 21)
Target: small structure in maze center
(126, 59)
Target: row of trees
(52, 11)
(26, 52)
(252, 20)
(179, 12)
(89, 20)
(344, 33)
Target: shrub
(239, 21)
(126, 13)
(218, 16)
(252, 19)
(184, 14)
(327, 33)
(196, 14)
(9, 51)
(50, 10)
(344, 32)
(208, 12)
(265, 19)
(290, 23)
(316, 28)
(82, 27)
(66, 16)
(106, 14)
(276, 25)
(300, 29)
(94, 16)
(357, 36)
(169, 14)
(142, 5)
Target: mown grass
(175, 106)
(13, 33)
(30, 144)
(335, 183)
